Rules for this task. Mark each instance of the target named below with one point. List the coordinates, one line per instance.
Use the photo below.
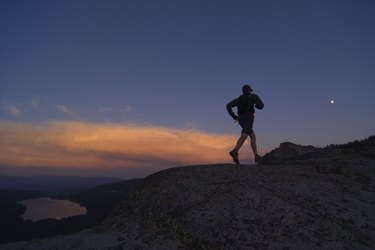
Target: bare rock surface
(311, 203)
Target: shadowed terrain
(301, 197)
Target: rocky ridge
(299, 197)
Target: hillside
(52, 183)
(301, 198)
(99, 202)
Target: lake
(47, 208)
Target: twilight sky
(126, 88)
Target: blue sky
(175, 65)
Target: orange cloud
(89, 145)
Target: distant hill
(357, 144)
(52, 183)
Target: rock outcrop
(289, 152)
(310, 199)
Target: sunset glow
(65, 144)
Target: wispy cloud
(88, 145)
(104, 109)
(69, 111)
(35, 104)
(109, 114)
(128, 108)
(125, 109)
(64, 109)
(11, 109)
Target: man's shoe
(258, 158)
(234, 155)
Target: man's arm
(258, 102)
(230, 105)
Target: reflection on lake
(47, 208)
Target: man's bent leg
(254, 143)
(241, 141)
(254, 146)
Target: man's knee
(244, 135)
(252, 136)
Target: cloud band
(67, 144)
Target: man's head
(246, 89)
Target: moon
(332, 101)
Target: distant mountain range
(53, 183)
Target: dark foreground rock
(313, 205)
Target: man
(245, 109)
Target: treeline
(99, 202)
(357, 144)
